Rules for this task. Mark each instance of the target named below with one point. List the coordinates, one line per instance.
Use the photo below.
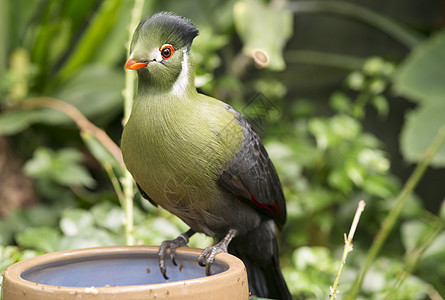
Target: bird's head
(159, 51)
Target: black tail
(259, 253)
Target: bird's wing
(144, 195)
(252, 178)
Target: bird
(199, 158)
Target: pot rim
(14, 272)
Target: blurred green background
(347, 96)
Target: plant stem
(81, 121)
(390, 220)
(128, 189)
(413, 256)
(127, 180)
(114, 181)
(385, 24)
(4, 35)
(136, 15)
(348, 248)
(324, 59)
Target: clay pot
(123, 272)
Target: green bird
(198, 158)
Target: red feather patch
(272, 209)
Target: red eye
(167, 51)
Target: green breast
(176, 147)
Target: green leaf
(338, 179)
(63, 167)
(411, 233)
(76, 221)
(156, 230)
(21, 27)
(437, 247)
(12, 254)
(382, 186)
(374, 281)
(313, 257)
(318, 199)
(40, 238)
(41, 215)
(373, 160)
(205, 46)
(355, 81)
(51, 42)
(340, 102)
(284, 159)
(419, 131)
(93, 237)
(15, 121)
(5, 233)
(96, 33)
(80, 227)
(442, 210)
(108, 215)
(421, 76)
(375, 66)
(101, 153)
(263, 27)
(380, 103)
(112, 48)
(330, 132)
(355, 173)
(96, 90)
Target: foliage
(420, 78)
(327, 161)
(10, 255)
(62, 168)
(276, 28)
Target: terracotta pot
(123, 272)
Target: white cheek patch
(155, 54)
(182, 81)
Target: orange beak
(133, 64)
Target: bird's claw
(180, 241)
(207, 256)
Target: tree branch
(81, 121)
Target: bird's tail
(259, 253)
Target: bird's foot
(180, 241)
(208, 255)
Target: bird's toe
(208, 256)
(164, 248)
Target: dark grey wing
(251, 176)
(144, 195)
